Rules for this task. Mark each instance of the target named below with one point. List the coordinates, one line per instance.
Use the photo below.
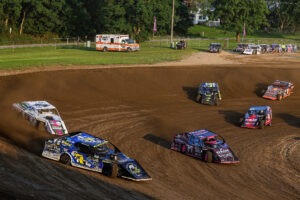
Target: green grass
(21, 58)
(151, 52)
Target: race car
(252, 50)
(215, 48)
(83, 150)
(208, 93)
(180, 45)
(257, 117)
(205, 145)
(42, 115)
(241, 47)
(278, 90)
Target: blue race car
(85, 151)
(205, 145)
(209, 93)
(257, 117)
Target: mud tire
(209, 157)
(65, 159)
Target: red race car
(278, 90)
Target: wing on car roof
(86, 138)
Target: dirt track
(140, 109)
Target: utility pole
(172, 25)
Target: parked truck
(115, 42)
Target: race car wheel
(241, 121)
(65, 159)
(217, 102)
(105, 49)
(41, 127)
(183, 149)
(279, 97)
(198, 98)
(129, 49)
(209, 157)
(262, 124)
(114, 170)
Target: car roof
(259, 107)
(39, 104)
(281, 83)
(202, 133)
(85, 138)
(209, 84)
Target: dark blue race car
(205, 145)
(85, 151)
(209, 93)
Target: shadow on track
(191, 92)
(232, 116)
(158, 140)
(290, 119)
(260, 88)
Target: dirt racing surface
(140, 109)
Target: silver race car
(42, 114)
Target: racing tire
(261, 124)
(198, 98)
(129, 49)
(41, 127)
(114, 170)
(105, 49)
(65, 159)
(241, 121)
(217, 102)
(279, 97)
(209, 157)
(183, 149)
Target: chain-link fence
(157, 42)
(227, 43)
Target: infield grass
(21, 58)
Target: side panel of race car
(54, 150)
(131, 169)
(84, 156)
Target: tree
(40, 16)
(183, 21)
(284, 14)
(9, 13)
(235, 14)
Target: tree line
(72, 18)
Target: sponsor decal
(133, 168)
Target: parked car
(276, 48)
(278, 90)
(80, 149)
(209, 93)
(252, 50)
(257, 117)
(181, 44)
(204, 145)
(241, 47)
(43, 115)
(215, 48)
(265, 48)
